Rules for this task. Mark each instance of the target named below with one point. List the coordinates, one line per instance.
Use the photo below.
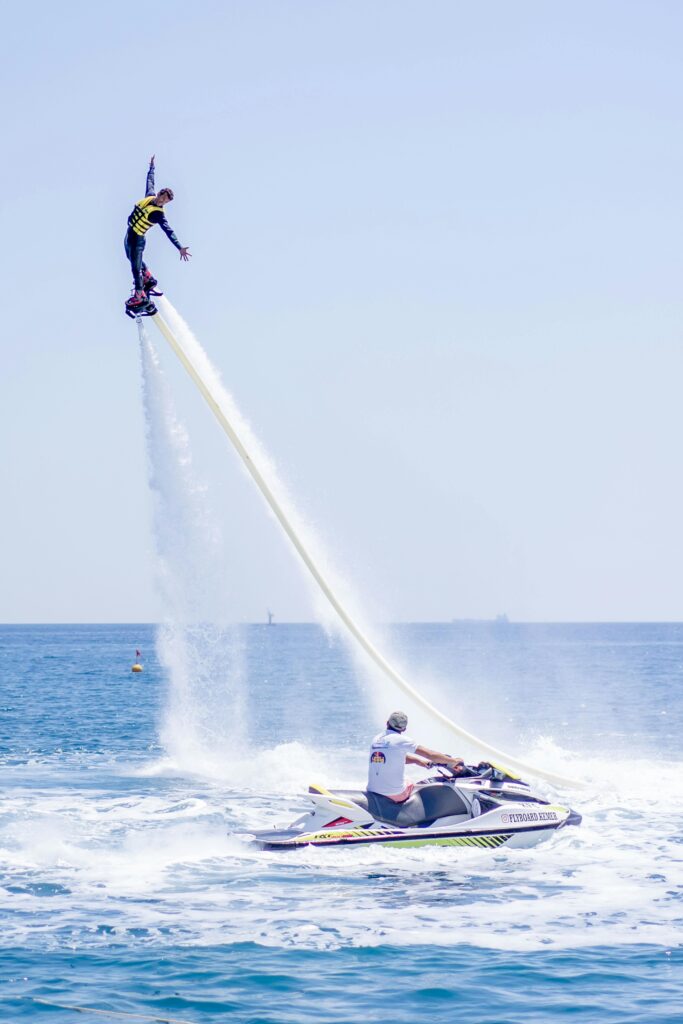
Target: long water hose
(370, 649)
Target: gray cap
(398, 720)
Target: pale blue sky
(437, 259)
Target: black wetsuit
(145, 213)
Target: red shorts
(403, 796)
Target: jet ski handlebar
(483, 770)
(450, 771)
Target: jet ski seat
(423, 807)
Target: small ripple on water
(353, 985)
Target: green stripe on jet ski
(482, 841)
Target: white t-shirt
(386, 771)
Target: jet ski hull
(474, 813)
(291, 840)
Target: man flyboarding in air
(146, 212)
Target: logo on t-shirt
(377, 757)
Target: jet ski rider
(389, 754)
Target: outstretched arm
(169, 232)
(437, 758)
(150, 179)
(183, 249)
(412, 759)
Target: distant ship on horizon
(500, 620)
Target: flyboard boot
(140, 304)
(149, 283)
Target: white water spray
(207, 380)
(201, 651)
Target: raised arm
(150, 190)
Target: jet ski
(474, 806)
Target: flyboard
(377, 657)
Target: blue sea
(128, 884)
